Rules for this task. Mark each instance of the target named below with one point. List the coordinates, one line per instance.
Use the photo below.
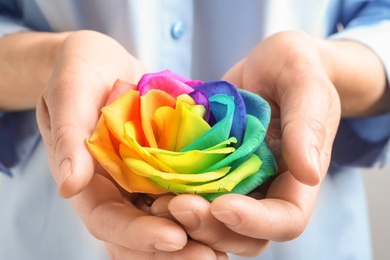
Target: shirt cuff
(375, 36)
(365, 142)
(362, 142)
(9, 25)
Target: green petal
(223, 106)
(266, 171)
(254, 135)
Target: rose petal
(150, 102)
(259, 108)
(179, 127)
(171, 86)
(144, 169)
(223, 107)
(120, 87)
(194, 161)
(168, 74)
(202, 99)
(131, 148)
(101, 148)
(226, 184)
(254, 136)
(222, 87)
(168, 121)
(192, 126)
(125, 109)
(256, 106)
(266, 171)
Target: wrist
(27, 60)
(358, 76)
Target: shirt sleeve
(364, 142)
(18, 130)
(10, 18)
(19, 135)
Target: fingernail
(228, 217)
(65, 171)
(167, 246)
(315, 160)
(187, 218)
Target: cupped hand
(87, 64)
(286, 69)
(122, 221)
(243, 225)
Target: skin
(310, 84)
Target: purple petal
(193, 83)
(169, 74)
(171, 86)
(201, 98)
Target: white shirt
(198, 39)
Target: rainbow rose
(173, 134)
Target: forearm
(26, 63)
(358, 75)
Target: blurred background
(378, 195)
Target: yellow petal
(186, 99)
(226, 184)
(168, 121)
(150, 102)
(144, 169)
(192, 126)
(135, 150)
(194, 161)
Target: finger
(101, 207)
(192, 250)
(308, 126)
(160, 208)
(282, 216)
(193, 212)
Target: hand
(87, 65)
(129, 232)
(285, 69)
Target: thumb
(310, 117)
(64, 127)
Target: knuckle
(60, 135)
(257, 247)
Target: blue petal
(222, 87)
(256, 106)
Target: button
(177, 30)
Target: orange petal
(123, 110)
(100, 146)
